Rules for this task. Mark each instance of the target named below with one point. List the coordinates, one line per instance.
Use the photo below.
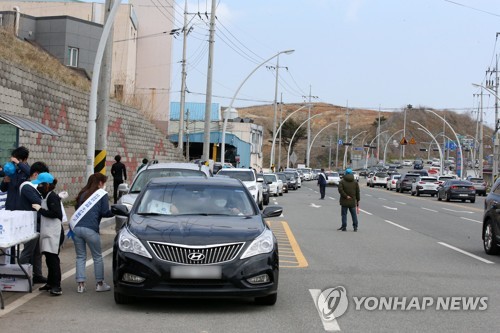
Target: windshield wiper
(150, 214)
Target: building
(243, 137)
(70, 31)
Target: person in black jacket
(29, 195)
(119, 173)
(322, 183)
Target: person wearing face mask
(92, 204)
(51, 230)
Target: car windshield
(270, 178)
(244, 176)
(145, 176)
(195, 200)
(477, 180)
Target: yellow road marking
(288, 245)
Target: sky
(359, 53)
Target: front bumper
(159, 284)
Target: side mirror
(123, 188)
(272, 211)
(120, 210)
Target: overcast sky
(360, 53)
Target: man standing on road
(322, 183)
(119, 173)
(349, 199)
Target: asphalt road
(405, 247)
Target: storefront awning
(26, 124)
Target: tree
(287, 130)
(375, 122)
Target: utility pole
(344, 164)
(480, 139)
(492, 83)
(208, 101)
(378, 136)
(180, 137)
(281, 121)
(187, 135)
(337, 152)
(101, 139)
(309, 125)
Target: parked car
(442, 179)
(457, 189)
(379, 179)
(356, 176)
(424, 185)
(407, 163)
(418, 166)
(249, 179)
(363, 172)
(392, 180)
(479, 184)
(421, 172)
(128, 195)
(292, 181)
(184, 238)
(404, 182)
(296, 174)
(282, 176)
(275, 184)
(266, 190)
(333, 178)
(491, 220)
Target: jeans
(85, 236)
(322, 190)
(116, 182)
(354, 216)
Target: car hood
(196, 230)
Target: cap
(43, 177)
(9, 169)
(348, 171)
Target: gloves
(36, 207)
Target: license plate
(196, 272)
(464, 195)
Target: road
(405, 247)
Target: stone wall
(64, 109)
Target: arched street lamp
(369, 147)
(347, 148)
(321, 130)
(228, 109)
(293, 136)
(271, 160)
(388, 140)
(426, 130)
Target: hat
(348, 171)
(43, 177)
(9, 169)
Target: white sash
(86, 206)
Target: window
(73, 56)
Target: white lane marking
(400, 202)
(458, 211)
(464, 218)
(330, 325)
(430, 210)
(382, 199)
(391, 208)
(364, 211)
(26, 298)
(466, 253)
(369, 195)
(315, 206)
(332, 198)
(397, 225)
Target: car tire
(447, 197)
(267, 300)
(122, 299)
(412, 193)
(266, 202)
(439, 197)
(490, 247)
(472, 200)
(261, 204)
(418, 193)
(281, 194)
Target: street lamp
(293, 136)
(228, 109)
(278, 130)
(370, 145)
(426, 130)
(321, 130)
(388, 140)
(345, 151)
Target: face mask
(220, 202)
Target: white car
(275, 184)
(247, 177)
(333, 178)
(407, 163)
(356, 176)
(391, 181)
(424, 185)
(379, 179)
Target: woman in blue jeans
(92, 204)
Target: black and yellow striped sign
(100, 161)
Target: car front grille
(196, 255)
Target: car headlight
(262, 244)
(252, 188)
(129, 243)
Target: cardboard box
(4, 256)
(12, 277)
(16, 226)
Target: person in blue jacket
(86, 230)
(11, 182)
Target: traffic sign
(412, 141)
(403, 141)
(340, 142)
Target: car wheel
(281, 193)
(267, 300)
(447, 197)
(122, 299)
(412, 193)
(472, 200)
(489, 239)
(418, 193)
(432, 195)
(266, 201)
(261, 204)
(439, 197)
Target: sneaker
(103, 286)
(81, 288)
(45, 288)
(57, 291)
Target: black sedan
(456, 189)
(188, 237)
(491, 221)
